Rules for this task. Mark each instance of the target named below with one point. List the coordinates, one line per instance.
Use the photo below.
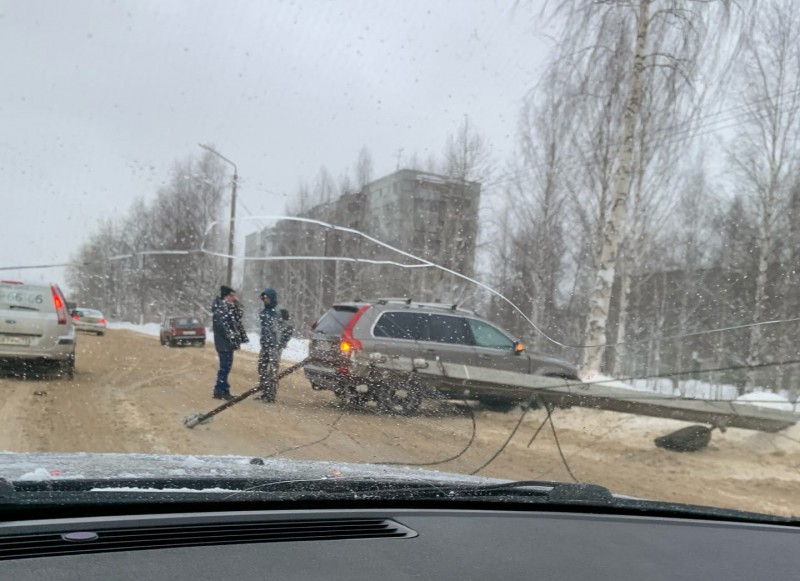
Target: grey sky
(99, 99)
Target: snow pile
(37, 475)
(767, 399)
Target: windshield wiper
(23, 308)
(243, 488)
(202, 491)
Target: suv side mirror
(518, 347)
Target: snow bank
(37, 475)
(767, 399)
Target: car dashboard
(402, 543)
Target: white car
(90, 320)
(35, 327)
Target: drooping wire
(549, 420)
(558, 445)
(449, 458)
(538, 430)
(505, 444)
(331, 428)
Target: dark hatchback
(183, 330)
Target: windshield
(88, 313)
(518, 240)
(187, 323)
(24, 296)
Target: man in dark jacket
(228, 336)
(276, 331)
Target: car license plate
(190, 333)
(323, 345)
(11, 340)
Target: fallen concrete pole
(459, 381)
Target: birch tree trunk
(612, 234)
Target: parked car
(403, 328)
(90, 320)
(35, 327)
(183, 330)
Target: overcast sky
(98, 99)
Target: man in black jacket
(276, 330)
(228, 336)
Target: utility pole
(232, 227)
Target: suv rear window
(401, 326)
(424, 327)
(335, 320)
(186, 323)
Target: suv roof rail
(384, 300)
(434, 305)
(420, 304)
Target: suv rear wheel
(350, 396)
(402, 397)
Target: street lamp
(232, 230)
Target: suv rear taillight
(350, 343)
(61, 309)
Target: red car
(183, 331)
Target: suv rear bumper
(323, 377)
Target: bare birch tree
(658, 45)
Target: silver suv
(403, 328)
(35, 327)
